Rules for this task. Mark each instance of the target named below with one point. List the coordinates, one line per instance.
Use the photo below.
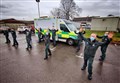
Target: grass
(116, 37)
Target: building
(83, 20)
(105, 23)
(13, 23)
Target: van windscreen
(71, 27)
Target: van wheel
(70, 42)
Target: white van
(66, 30)
(21, 29)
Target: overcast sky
(27, 9)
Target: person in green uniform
(39, 35)
(91, 46)
(108, 38)
(47, 45)
(15, 43)
(54, 36)
(6, 33)
(80, 40)
(28, 38)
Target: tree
(68, 10)
(56, 12)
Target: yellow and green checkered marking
(61, 34)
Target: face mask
(92, 38)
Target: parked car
(22, 29)
(86, 26)
(83, 25)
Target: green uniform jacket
(47, 39)
(91, 47)
(105, 39)
(28, 35)
(13, 34)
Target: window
(63, 28)
(71, 27)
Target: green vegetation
(116, 37)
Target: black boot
(83, 68)
(13, 45)
(30, 46)
(45, 58)
(89, 77)
(50, 54)
(27, 48)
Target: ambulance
(66, 30)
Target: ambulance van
(66, 30)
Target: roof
(12, 20)
(83, 19)
(106, 17)
(89, 19)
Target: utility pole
(38, 7)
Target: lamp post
(38, 7)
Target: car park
(21, 29)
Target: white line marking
(53, 49)
(80, 56)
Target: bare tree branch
(68, 9)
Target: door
(64, 32)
